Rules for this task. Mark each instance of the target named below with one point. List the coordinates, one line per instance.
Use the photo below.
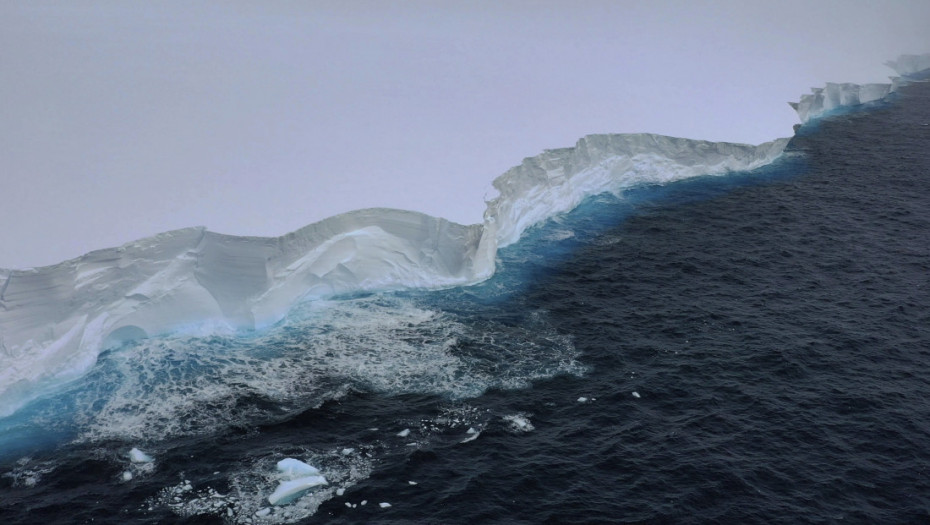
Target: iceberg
(835, 96)
(56, 320)
(910, 65)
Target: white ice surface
(55, 320)
(833, 96)
(137, 456)
(288, 490)
(294, 468)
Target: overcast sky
(119, 120)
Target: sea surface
(748, 348)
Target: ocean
(746, 348)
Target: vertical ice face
(834, 96)
(54, 321)
(558, 180)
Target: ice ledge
(55, 320)
(835, 96)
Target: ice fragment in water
(137, 456)
(636, 395)
(404, 433)
(127, 476)
(294, 468)
(582, 399)
(288, 491)
(384, 505)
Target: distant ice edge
(834, 96)
(55, 320)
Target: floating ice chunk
(288, 491)
(127, 476)
(412, 482)
(340, 491)
(582, 399)
(471, 437)
(471, 430)
(364, 502)
(263, 512)
(404, 433)
(384, 505)
(636, 394)
(137, 456)
(294, 468)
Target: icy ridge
(834, 96)
(55, 320)
(558, 180)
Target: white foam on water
(173, 386)
(519, 423)
(28, 472)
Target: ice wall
(558, 180)
(54, 321)
(834, 96)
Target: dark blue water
(744, 349)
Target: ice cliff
(55, 320)
(834, 96)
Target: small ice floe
(288, 491)
(340, 491)
(412, 482)
(636, 394)
(519, 423)
(582, 399)
(364, 502)
(263, 512)
(347, 451)
(137, 456)
(127, 476)
(299, 478)
(384, 505)
(294, 468)
(404, 433)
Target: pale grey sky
(120, 120)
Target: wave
(55, 320)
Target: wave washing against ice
(55, 320)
